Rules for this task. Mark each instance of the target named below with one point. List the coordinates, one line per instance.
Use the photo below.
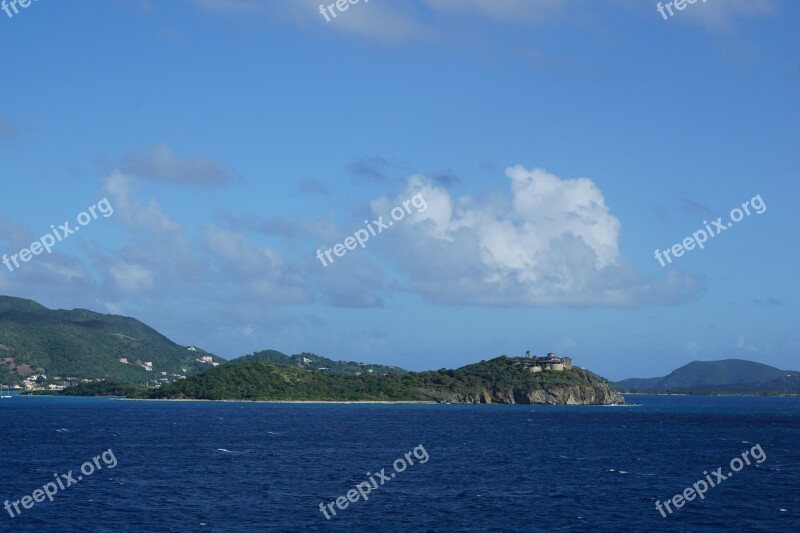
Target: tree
(528, 354)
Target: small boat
(6, 395)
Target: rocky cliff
(572, 395)
(589, 390)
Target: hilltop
(79, 344)
(731, 376)
(317, 363)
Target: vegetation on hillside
(256, 380)
(83, 344)
(311, 361)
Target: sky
(544, 151)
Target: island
(549, 380)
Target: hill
(82, 344)
(314, 362)
(725, 376)
(494, 381)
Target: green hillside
(314, 362)
(494, 381)
(84, 344)
(727, 375)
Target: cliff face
(591, 390)
(572, 395)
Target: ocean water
(201, 466)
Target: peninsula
(506, 380)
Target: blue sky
(556, 143)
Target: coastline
(270, 401)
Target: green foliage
(311, 361)
(257, 380)
(83, 344)
(105, 388)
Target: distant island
(724, 377)
(507, 380)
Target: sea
(157, 466)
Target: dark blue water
(197, 466)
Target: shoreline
(269, 401)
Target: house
(551, 362)
(123, 360)
(538, 364)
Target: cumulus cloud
(552, 241)
(251, 271)
(162, 164)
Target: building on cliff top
(551, 362)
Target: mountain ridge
(79, 344)
(724, 375)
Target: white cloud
(742, 344)
(131, 279)
(253, 271)
(131, 212)
(552, 242)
